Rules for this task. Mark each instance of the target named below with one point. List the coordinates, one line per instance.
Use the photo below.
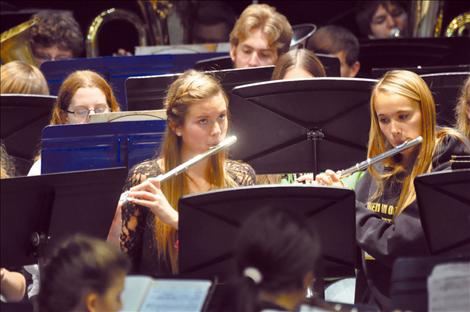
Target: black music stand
(444, 205)
(23, 117)
(214, 63)
(148, 92)
(423, 70)
(445, 88)
(39, 211)
(209, 224)
(301, 125)
(411, 52)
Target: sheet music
(449, 287)
(176, 296)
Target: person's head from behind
(275, 254)
(83, 93)
(197, 119)
(381, 18)
(339, 42)
(84, 274)
(21, 78)
(55, 36)
(402, 108)
(213, 21)
(259, 37)
(298, 64)
(462, 110)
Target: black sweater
(382, 237)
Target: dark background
(117, 34)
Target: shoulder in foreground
(241, 172)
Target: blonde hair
(412, 87)
(301, 58)
(21, 78)
(191, 87)
(7, 168)
(462, 120)
(75, 81)
(272, 23)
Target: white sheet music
(449, 287)
(142, 293)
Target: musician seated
(197, 115)
(55, 36)
(83, 274)
(462, 111)
(82, 94)
(387, 218)
(381, 19)
(340, 42)
(260, 36)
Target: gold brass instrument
(459, 25)
(153, 30)
(15, 44)
(426, 18)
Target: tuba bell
(153, 30)
(15, 44)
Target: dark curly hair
(57, 28)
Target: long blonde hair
(462, 120)
(411, 86)
(189, 88)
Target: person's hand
(306, 178)
(122, 52)
(150, 195)
(329, 178)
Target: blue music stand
(100, 145)
(116, 69)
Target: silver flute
(370, 161)
(227, 142)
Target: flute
(370, 161)
(184, 166)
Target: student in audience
(55, 36)
(298, 64)
(462, 110)
(381, 19)
(83, 274)
(387, 217)
(275, 256)
(260, 36)
(197, 112)
(340, 42)
(82, 94)
(21, 78)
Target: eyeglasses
(83, 112)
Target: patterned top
(138, 223)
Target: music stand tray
(444, 205)
(39, 211)
(209, 225)
(301, 125)
(149, 92)
(23, 116)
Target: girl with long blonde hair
(388, 224)
(462, 110)
(197, 111)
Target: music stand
(423, 70)
(444, 206)
(23, 116)
(100, 145)
(301, 125)
(214, 63)
(445, 88)
(39, 211)
(148, 92)
(209, 224)
(411, 52)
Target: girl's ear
(64, 117)
(91, 302)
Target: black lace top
(138, 224)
